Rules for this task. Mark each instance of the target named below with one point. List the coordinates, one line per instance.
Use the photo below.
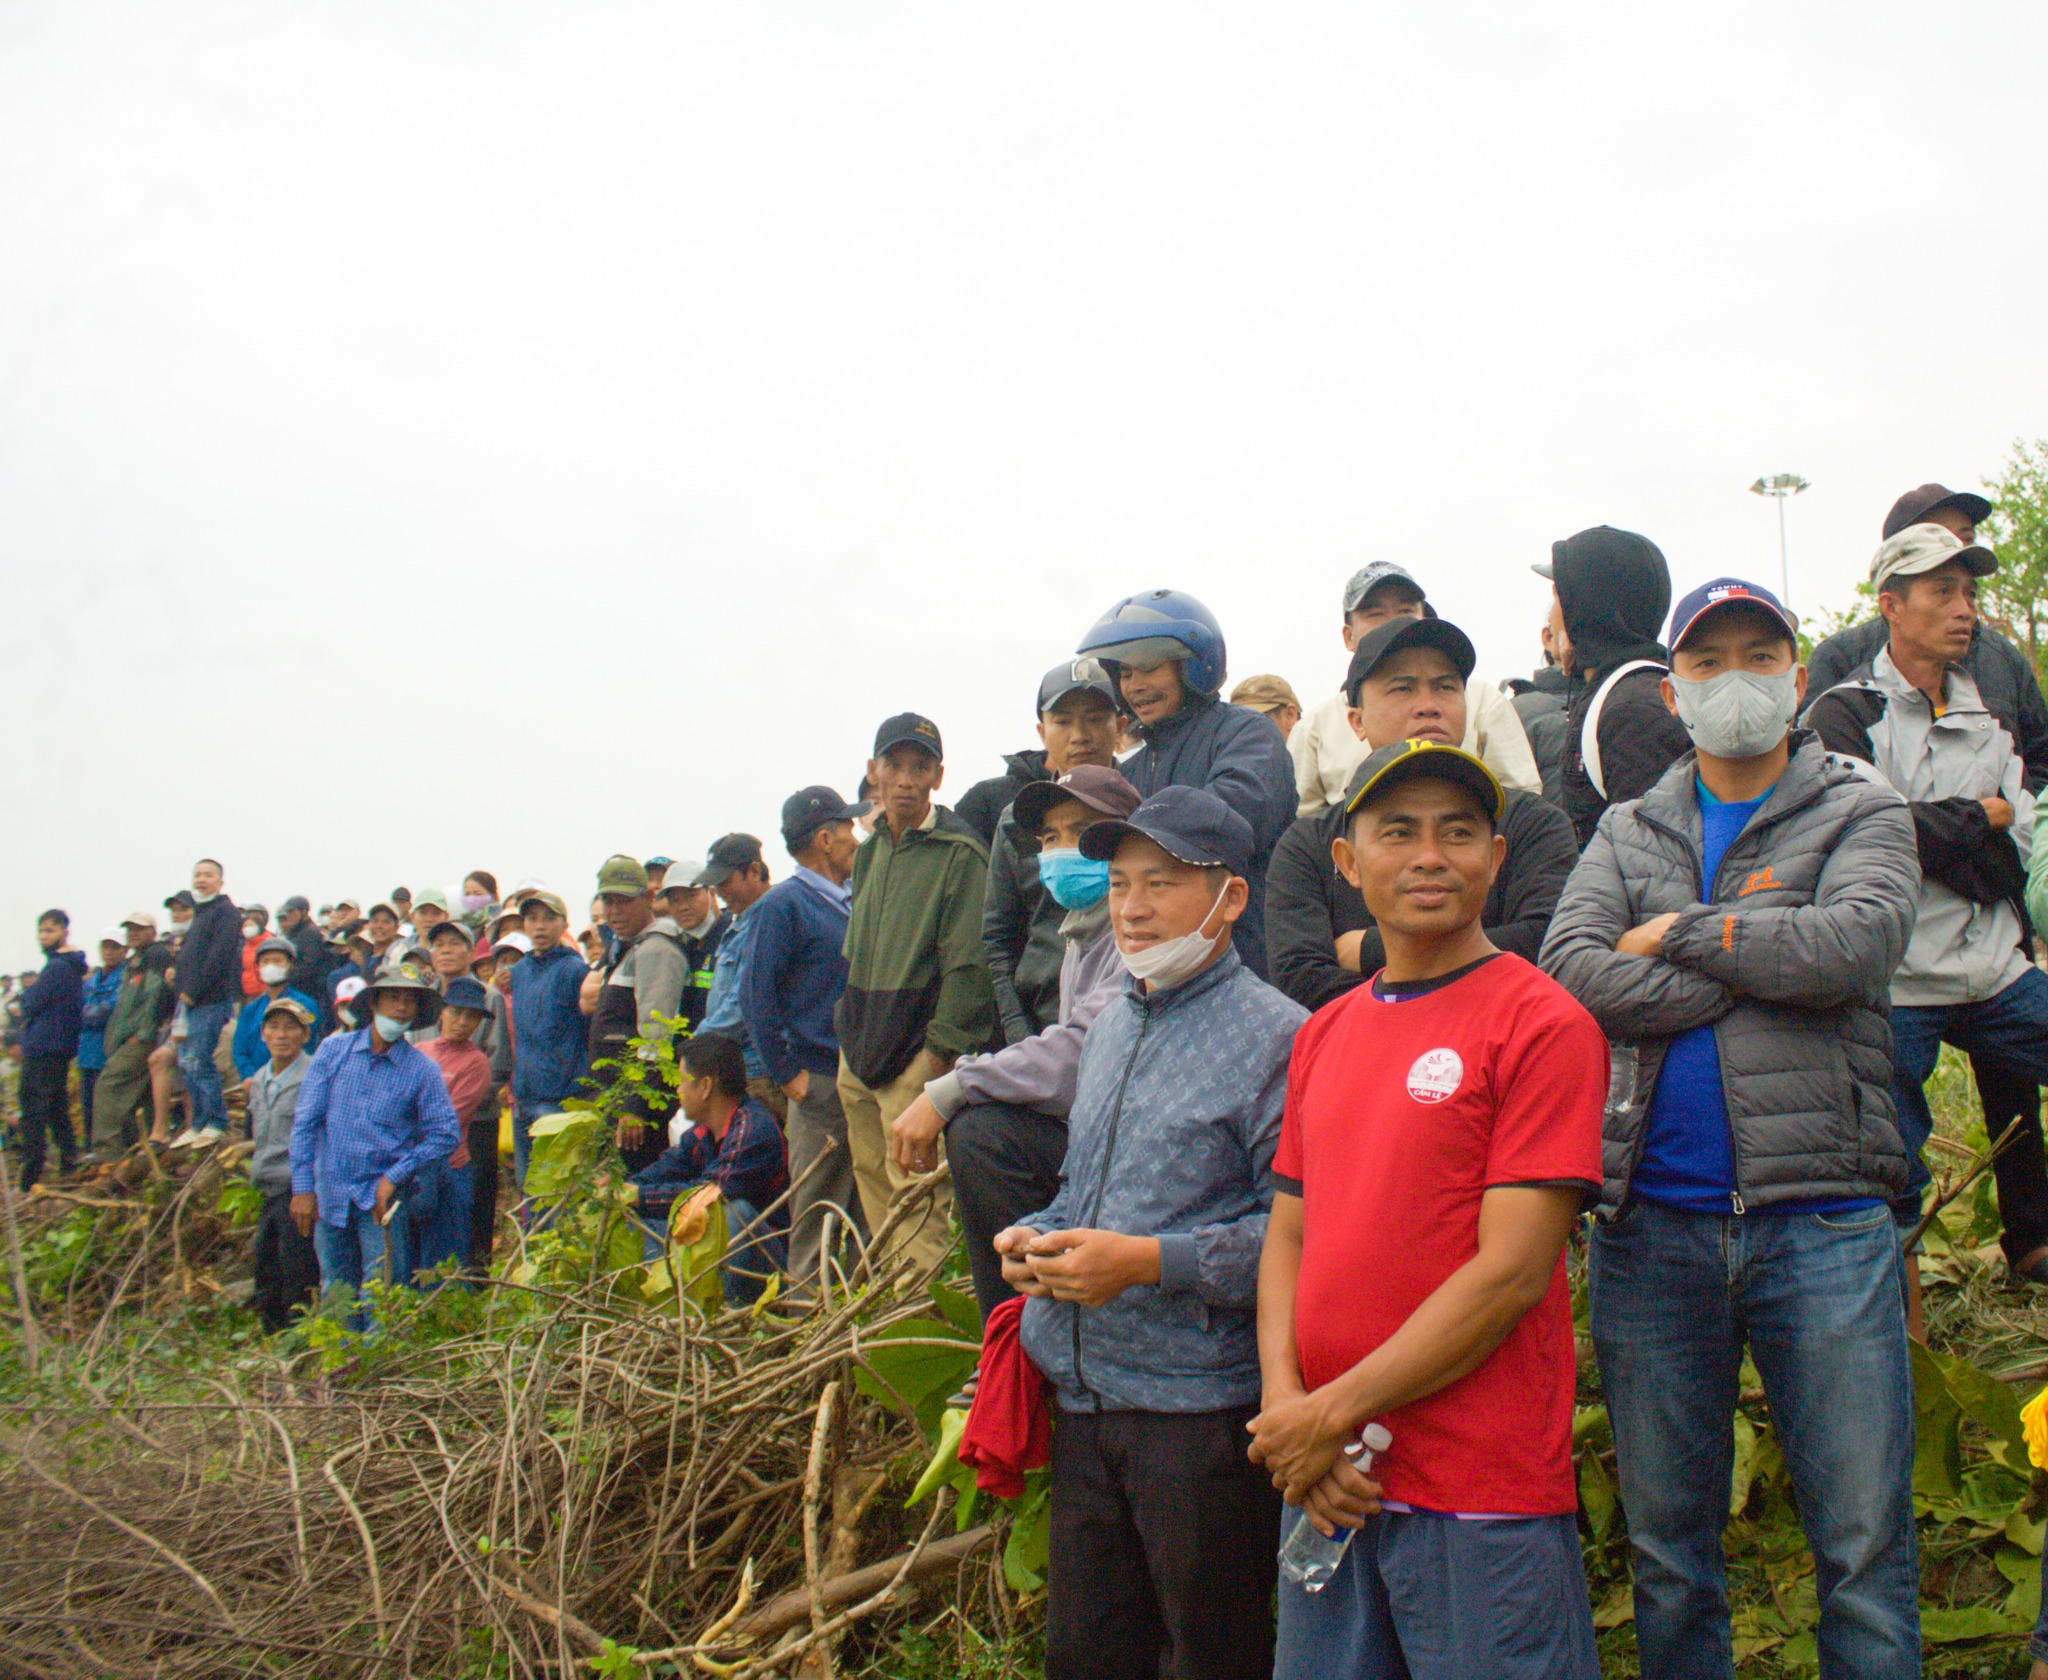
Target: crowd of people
(1273, 1055)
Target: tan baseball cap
(1265, 693)
(139, 918)
(1921, 548)
(547, 901)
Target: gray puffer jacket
(1789, 958)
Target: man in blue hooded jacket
(1165, 655)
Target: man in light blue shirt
(373, 1115)
(736, 872)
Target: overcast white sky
(440, 435)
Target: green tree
(2015, 597)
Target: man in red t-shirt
(1442, 1133)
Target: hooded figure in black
(1613, 589)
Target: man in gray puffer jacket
(1751, 1144)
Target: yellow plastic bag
(2034, 1420)
(506, 1148)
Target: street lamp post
(1778, 486)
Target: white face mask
(252, 930)
(1171, 961)
(199, 897)
(272, 974)
(1738, 714)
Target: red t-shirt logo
(1435, 1076)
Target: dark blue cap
(1720, 592)
(465, 993)
(1190, 822)
(810, 809)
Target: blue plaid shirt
(362, 1117)
(749, 1164)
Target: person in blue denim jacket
(1141, 1276)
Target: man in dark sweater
(795, 971)
(1407, 682)
(1020, 925)
(209, 977)
(1609, 592)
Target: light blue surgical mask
(391, 1030)
(1075, 882)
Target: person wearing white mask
(1141, 1274)
(1734, 932)
(373, 1116)
(275, 957)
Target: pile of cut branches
(574, 1465)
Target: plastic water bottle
(1621, 1080)
(1310, 1557)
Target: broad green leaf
(1590, 1425)
(921, 1377)
(1937, 1452)
(1970, 1621)
(560, 1143)
(1596, 1493)
(1744, 1468)
(958, 1308)
(2023, 1603)
(2025, 1532)
(1030, 1543)
(1989, 1403)
(945, 1457)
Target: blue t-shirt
(1688, 1158)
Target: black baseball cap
(298, 901)
(1915, 505)
(1103, 790)
(1383, 641)
(728, 852)
(1190, 822)
(909, 729)
(1406, 761)
(181, 900)
(1071, 678)
(810, 809)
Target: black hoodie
(982, 804)
(1615, 589)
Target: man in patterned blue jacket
(1143, 1273)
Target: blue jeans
(2010, 1027)
(433, 1224)
(350, 1255)
(1819, 1299)
(748, 1266)
(203, 1023)
(1423, 1597)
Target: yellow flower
(2034, 1420)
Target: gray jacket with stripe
(1970, 941)
(1788, 954)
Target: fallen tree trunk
(792, 1608)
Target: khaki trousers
(925, 1233)
(122, 1090)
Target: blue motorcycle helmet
(1160, 624)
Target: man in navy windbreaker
(550, 1037)
(49, 1010)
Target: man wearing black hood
(1610, 590)
(1020, 924)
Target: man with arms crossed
(1442, 1133)
(1734, 932)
